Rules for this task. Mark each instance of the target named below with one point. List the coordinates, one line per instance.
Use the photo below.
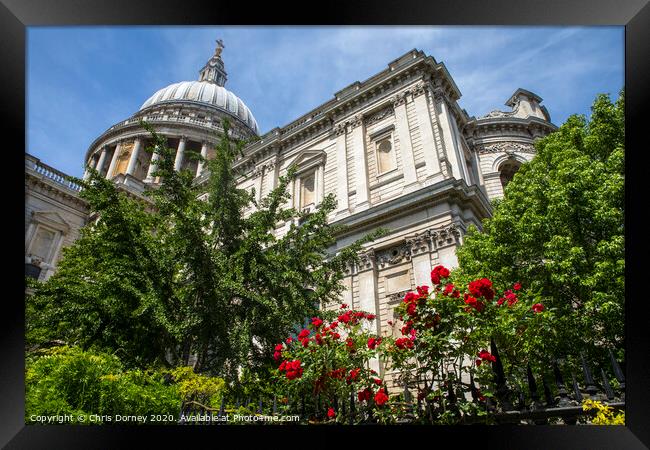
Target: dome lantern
(214, 71)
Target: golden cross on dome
(219, 48)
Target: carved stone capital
(399, 99)
(356, 121)
(420, 243)
(445, 236)
(367, 261)
(439, 95)
(419, 89)
(340, 129)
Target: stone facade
(396, 150)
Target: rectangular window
(307, 190)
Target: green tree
(188, 277)
(559, 230)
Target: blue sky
(82, 80)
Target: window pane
(308, 193)
(385, 157)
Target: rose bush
(328, 362)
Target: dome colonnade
(187, 114)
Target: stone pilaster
(360, 163)
(450, 147)
(406, 148)
(341, 170)
(420, 247)
(368, 298)
(434, 173)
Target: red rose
(478, 362)
(486, 356)
(370, 317)
(331, 413)
(516, 286)
(316, 322)
(377, 381)
(283, 365)
(404, 343)
(481, 288)
(500, 301)
(353, 376)
(439, 272)
(334, 325)
(335, 335)
(343, 305)
(423, 291)
(373, 342)
(278, 347)
(381, 398)
(345, 318)
(303, 334)
(277, 355)
(349, 343)
(289, 340)
(364, 395)
(538, 307)
(449, 287)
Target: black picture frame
(16, 15)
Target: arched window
(508, 170)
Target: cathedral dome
(204, 92)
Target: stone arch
(507, 166)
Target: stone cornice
(451, 190)
(38, 183)
(351, 100)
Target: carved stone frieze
(419, 89)
(397, 297)
(505, 147)
(380, 115)
(394, 255)
(340, 129)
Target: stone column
(152, 166)
(360, 163)
(134, 156)
(180, 152)
(451, 150)
(204, 154)
(102, 159)
(116, 154)
(420, 258)
(426, 132)
(91, 164)
(368, 299)
(341, 170)
(406, 148)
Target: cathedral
(396, 150)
